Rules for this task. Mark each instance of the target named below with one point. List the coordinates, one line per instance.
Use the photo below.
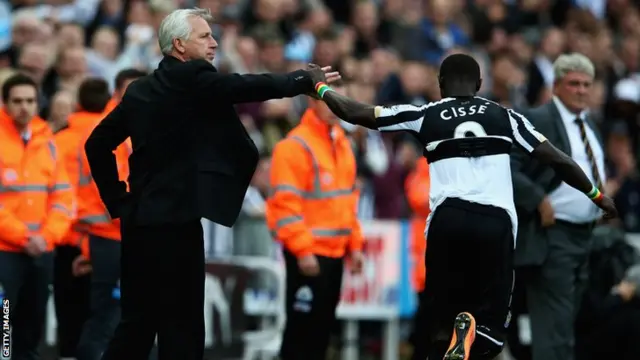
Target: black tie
(589, 150)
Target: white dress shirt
(568, 203)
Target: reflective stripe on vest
(52, 150)
(84, 179)
(316, 194)
(14, 188)
(33, 226)
(95, 219)
(34, 188)
(64, 209)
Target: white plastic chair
(215, 299)
(266, 342)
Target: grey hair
(574, 62)
(176, 26)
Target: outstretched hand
(609, 207)
(322, 74)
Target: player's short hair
(93, 95)
(459, 68)
(128, 74)
(14, 81)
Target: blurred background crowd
(388, 52)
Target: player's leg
(444, 283)
(477, 261)
(494, 316)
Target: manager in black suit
(555, 222)
(191, 158)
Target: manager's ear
(478, 85)
(179, 46)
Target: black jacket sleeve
(236, 88)
(527, 194)
(105, 138)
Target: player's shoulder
(493, 109)
(493, 105)
(447, 101)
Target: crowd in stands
(387, 50)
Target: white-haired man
(556, 221)
(191, 158)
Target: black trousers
(470, 262)
(26, 282)
(71, 295)
(105, 298)
(162, 292)
(311, 308)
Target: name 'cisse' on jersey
(467, 142)
(454, 112)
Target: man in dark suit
(192, 158)
(555, 221)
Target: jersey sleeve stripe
(393, 115)
(413, 125)
(523, 131)
(403, 117)
(399, 118)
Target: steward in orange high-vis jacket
(417, 188)
(103, 247)
(312, 212)
(122, 81)
(37, 208)
(71, 291)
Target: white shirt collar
(567, 116)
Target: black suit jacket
(532, 181)
(191, 157)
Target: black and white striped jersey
(467, 142)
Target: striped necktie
(589, 150)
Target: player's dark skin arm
(570, 173)
(563, 165)
(361, 114)
(351, 111)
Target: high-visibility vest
(417, 189)
(68, 140)
(92, 213)
(35, 195)
(313, 203)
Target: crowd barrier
(382, 292)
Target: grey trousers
(555, 291)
